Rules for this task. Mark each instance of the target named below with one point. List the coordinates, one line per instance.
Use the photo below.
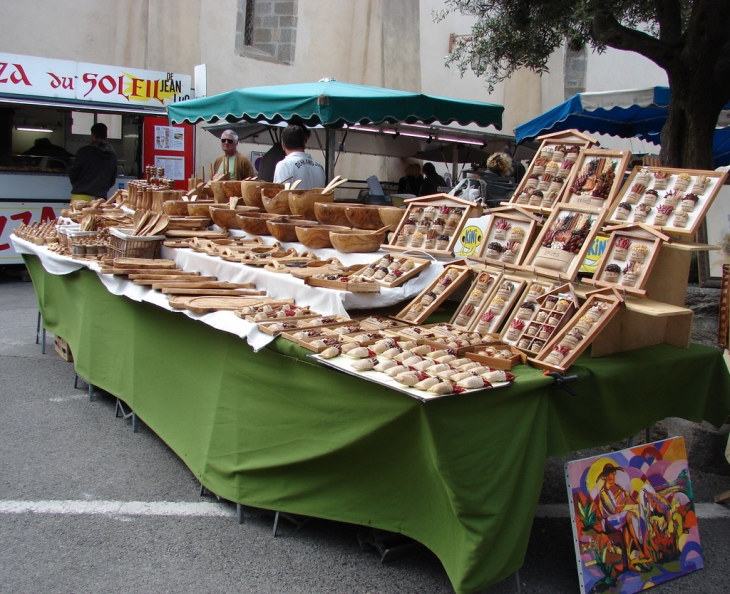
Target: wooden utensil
(334, 184)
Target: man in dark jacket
(94, 170)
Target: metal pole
(329, 159)
(454, 164)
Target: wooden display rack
(413, 212)
(417, 310)
(620, 161)
(568, 138)
(511, 217)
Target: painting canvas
(634, 523)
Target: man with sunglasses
(231, 161)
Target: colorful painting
(634, 523)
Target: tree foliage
(689, 39)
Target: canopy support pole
(455, 164)
(329, 155)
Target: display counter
(275, 430)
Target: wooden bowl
(284, 229)
(223, 190)
(226, 218)
(391, 216)
(317, 236)
(255, 222)
(333, 213)
(188, 223)
(199, 208)
(364, 217)
(251, 192)
(357, 240)
(275, 202)
(176, 208)
(303, 203)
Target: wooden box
(389, 266)
(588, 323)
(596, 178)
(517, 358)
(508, 236)
(553, 311)
(562, 148)
(63, 350)
(425, 303)
(651, 192)
(432, 224)
(567, 225)
(493, 308)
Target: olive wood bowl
(223, 190)
(251, 192)
(303, 203)
(254, 223)
(357, 240)
(284, 228)
(317, 236)
(225, 217)
(199, 208)
(176, 208)
(391, 216)
(333, 213)
(276, 202)
(364, 217)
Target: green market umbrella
(332, 104)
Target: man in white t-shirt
(298, 165)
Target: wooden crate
(62, 348)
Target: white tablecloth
(280, 286)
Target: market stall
(461, 475)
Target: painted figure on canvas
(633, 518)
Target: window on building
(267, 30)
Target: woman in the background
(499, 164)
(412, 181)
(432, 181)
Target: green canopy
(333, 104)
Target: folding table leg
(239, 513)
(38, 329)
(120, 412)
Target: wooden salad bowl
(284, 228)
(225, 217)
(391, 216)
(224, 190)
(317, 236)
(176, 208)
(251, 192)
(333, 213)
(254, 223)
(358, 240)
(199, 208)
(303, 203)
(364, 217)
(276, 202)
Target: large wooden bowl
(317, 236)
(284, 229)
(276, 202)
(225, 217)
(333, 213)
(251, 192)
(364, 217)
(224, 190)
(391, 216)
(303, 203)
(255, 222)
(199, 208)
(357, 240)
(176, 208)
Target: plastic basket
(124, 245)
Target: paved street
(86, 505)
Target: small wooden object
(596, 178)
(425, 303)
(357, 240)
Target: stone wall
(267, 29)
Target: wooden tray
(420, 264)
(517, 358)
(194, 283)
(307, 343)
(202, 305)
(150, 279)
(502, 230)
(614, 163)
(352, 287)
(202, 234)
(142, 263)
(133, 272)
(417, 311)
(219, 292)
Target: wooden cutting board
(194, 283)
(217, 292)
(128, 271)
(143, 263)
(208, 304)
(203, 234)
(169, 275)
(151, 279)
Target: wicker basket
(123, 244)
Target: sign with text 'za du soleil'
(63, 79)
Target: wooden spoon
(295, 184)
(332, 185)
(161, 225)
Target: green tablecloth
(275, 430)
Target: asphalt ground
(86, 505)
